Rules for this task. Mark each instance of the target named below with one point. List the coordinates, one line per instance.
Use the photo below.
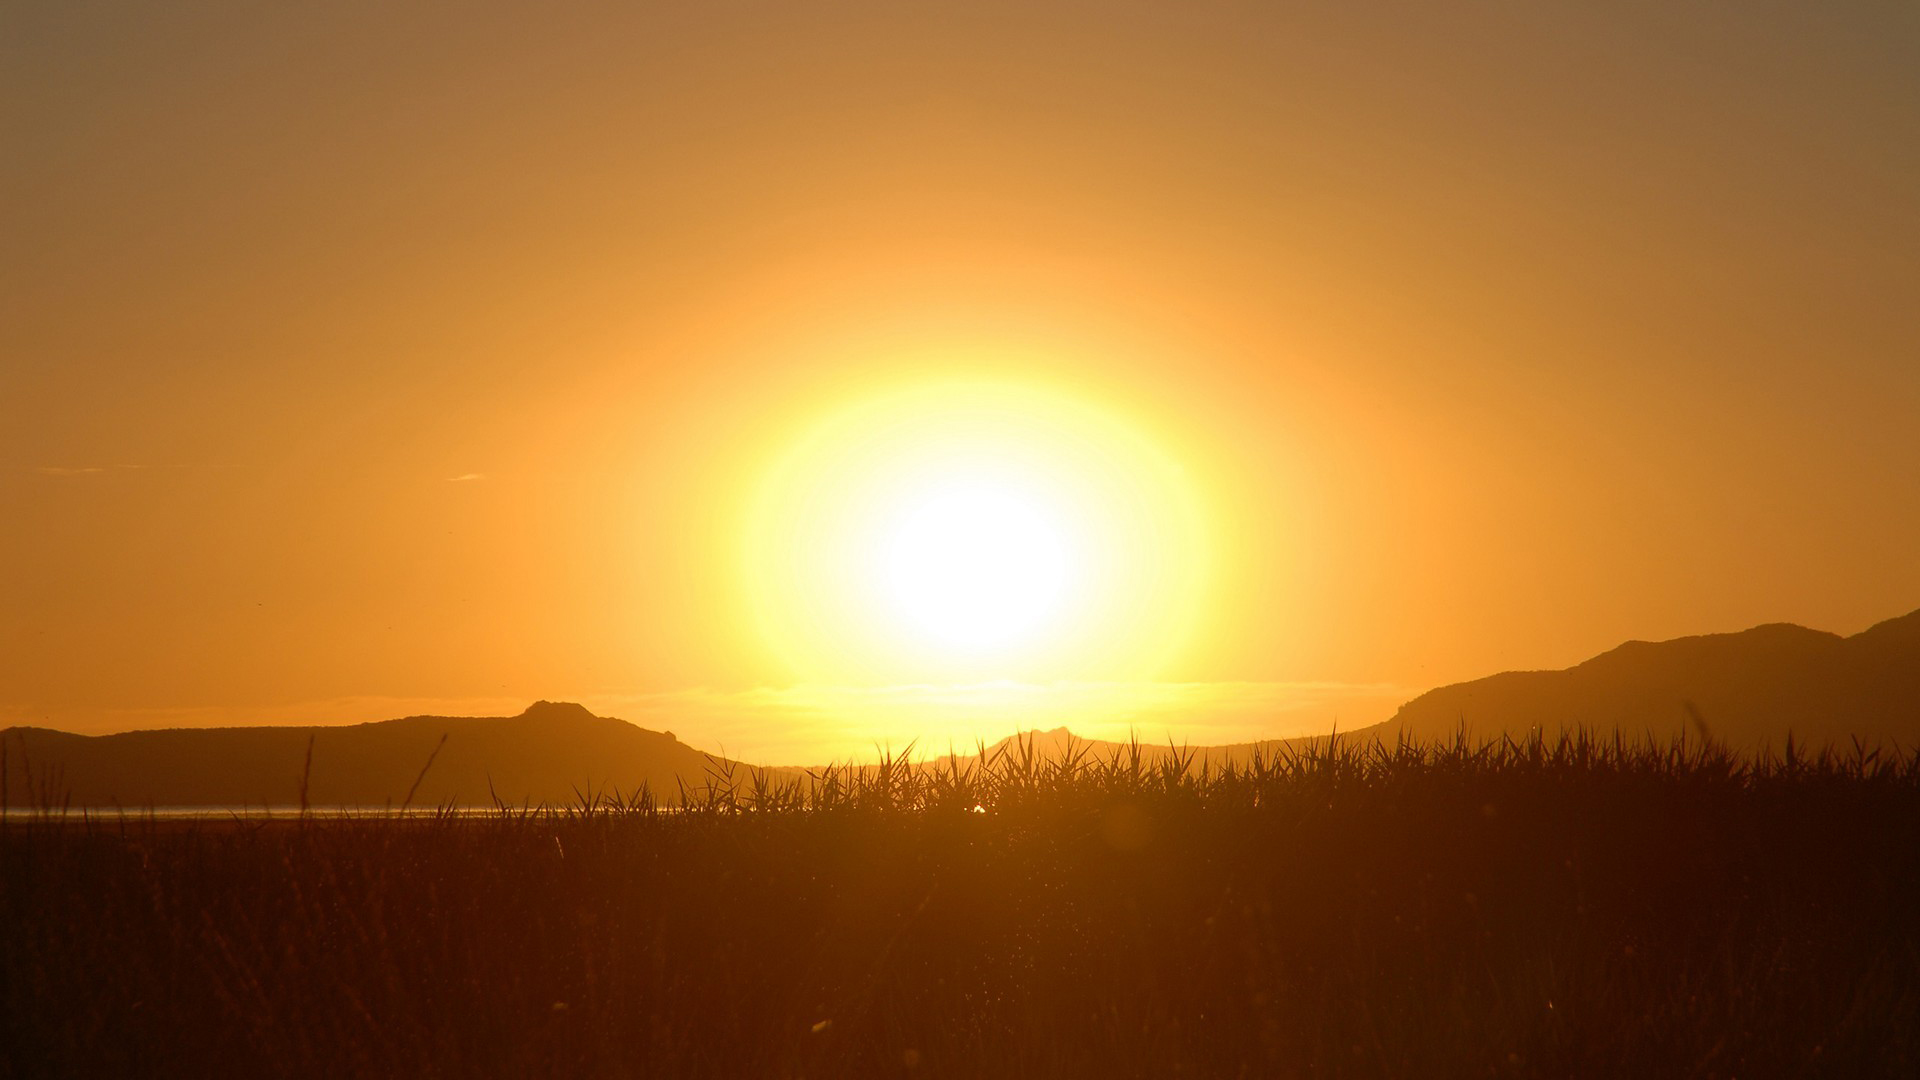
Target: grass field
(1581, 908)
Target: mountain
(545, 754)
(1748, 689)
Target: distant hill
(545, 754)
(1749, 689)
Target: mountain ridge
(1749, 688)
(550, 752)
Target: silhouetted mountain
(1749, 689)
(1054, 744)
(545, 754)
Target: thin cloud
(464, 477)
(96, 470)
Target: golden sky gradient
(359, 359)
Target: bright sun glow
(959, 531)
(977, 563)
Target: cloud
(464, 477)
(96, 470)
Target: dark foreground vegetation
(1579, 909)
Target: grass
(1569, 908)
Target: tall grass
(1575, 907)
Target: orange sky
(355, 359)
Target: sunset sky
(363, 359)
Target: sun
(976, 563)
(969, 530)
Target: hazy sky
(391, 353)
